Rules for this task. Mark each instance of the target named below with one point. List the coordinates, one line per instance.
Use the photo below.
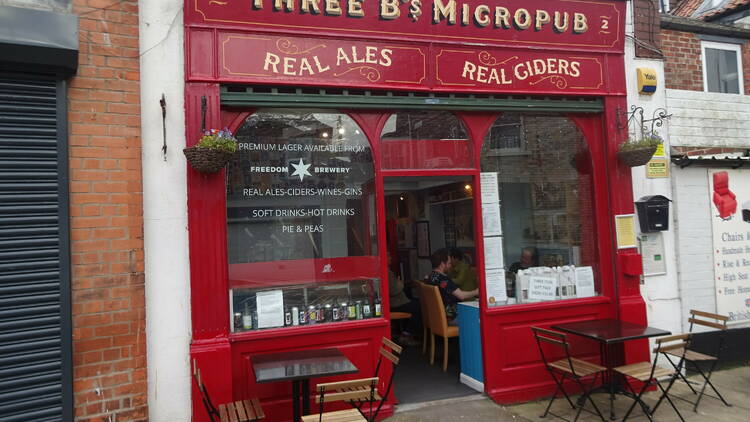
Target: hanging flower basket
(207, 160)
(212, 152)
(637, 152)
(636, 157)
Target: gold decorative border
(413, 35)
(370, 73)
(224, 55)
(437, 66)
(424, 65)
(601, 73)
(558, 81)
(287, 46)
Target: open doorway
(424, 215)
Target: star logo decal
(301, 170)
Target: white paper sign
(493, 252)
(496, 291)
(542, 288)
(488, 184)
(270, 306)
(730, 219)
(652, 251)
(585, 282)
(566, 279)
(491, 225)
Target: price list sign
(298, 188)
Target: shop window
(425, 140)
(301, 222)
(722, 67)
(505, 136)
(546, 208)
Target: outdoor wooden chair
(567, 368)
(650, 374)
(342, 391)
(365, 401)
(438, 322)
(696, 359)
(236, 411)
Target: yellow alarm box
(646, 80)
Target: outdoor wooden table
(611, 334)
(299, 367)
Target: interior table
(611, 334)
(299, 367)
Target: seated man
(461, 272)
(450, 292)
(529, 258)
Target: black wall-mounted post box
(653, 213)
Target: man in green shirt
(461, 272)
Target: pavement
(733, 384)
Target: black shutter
(35, 326)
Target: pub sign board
(563, 24)
(287, 60)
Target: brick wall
(682, 55)
(683, 68)
(109, 349)
(646, 20)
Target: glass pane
(301, 224)
(425, 140)
(305, 304)
(721, 71)
(546, 206)
(298, 188)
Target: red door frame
(223, 356)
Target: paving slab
(734, 385)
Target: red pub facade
(337, 105)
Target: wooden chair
(425, 309)
(695, 359)
(649, 374)
(236, 411)
(368, 396)
(342, 391)
(438, 322)
(567, 368)
(399, 316)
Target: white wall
(694, 240)
(709, 119)
(660, 292)
(168, 330)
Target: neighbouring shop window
(722, 67)
(546, 243)
(505, 136)
(301, 228)
(425, 140)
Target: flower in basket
(637, 152)
(213, 151)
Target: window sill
(306, 329)
(535, 307)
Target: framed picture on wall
(423, 239)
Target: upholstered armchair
(724, 199)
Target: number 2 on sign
(605, 25)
